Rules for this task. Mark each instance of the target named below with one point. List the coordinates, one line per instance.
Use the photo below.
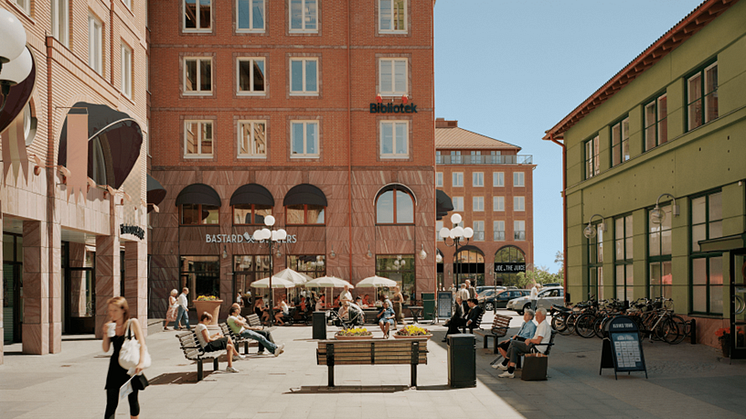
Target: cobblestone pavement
(684, 381)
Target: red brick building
(272, 107)
(491, 186)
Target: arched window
(395, 205)
(509, 262)
(251, 203)
(510, 254)
(199, 204)
(305, 204)
(469, 264)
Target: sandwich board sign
(622, 348)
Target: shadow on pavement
(177, 378)
(346, 389)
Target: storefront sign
(391, 108)
(243, 238)
(510, 268)
(136, 231)
(622, 349)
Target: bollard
(693, 331)
(319, 325)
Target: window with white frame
(458, 179)
(458, 203)
(394, 139)
(252, 139)
(455, 157)
(25, 5)
(478, 227)
(304, 76)
(701, 111)
(519, 203)
(198, 138)
(250, 76)
(393, 76)
(128, 3)
(656, 122)
(519, 179)
(519, 230)
(250, 15)
(498, 230)
(95, 45)
(620, 142)
(304, 139)
(126, 70)
(592, 161)
(438, 226)
(61, 21)
(498, 203)
(392, 16)
(476, 157)
(303, 16)
(477, 203)
(197, 15)
(198, 76)
(477, 179)
(439, 179)
(498, 179)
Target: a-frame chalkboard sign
(622, 349)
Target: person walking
(173, 308)
(183, 310)
(114, 333)
(397, 299)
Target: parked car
(548, 296)
(490, 301)
(482, 288)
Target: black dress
(117, 376)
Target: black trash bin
(462, 361)
(319, 325)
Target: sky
(512, 69)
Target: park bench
(499, 328)
(193, 351)
(477, 325)
(372, 352)
(255, 321)
(237, 339)
(536, 351)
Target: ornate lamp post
(456, 234)
(15, 58)
(270, 239)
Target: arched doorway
(469, 264)
(509, 262)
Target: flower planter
(725, 346)
(412, 337)
(338, 337)
(212, 307)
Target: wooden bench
(478, 324)
(499, 328)
(193, 351)
(237, 339)
(534, 350)
(255, 321)
(372, 352)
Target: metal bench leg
(330, 364)
(486, 341)
(415, 361)
(215, 364)
(246, 347)
(200, 370)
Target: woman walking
(397, 299)
(114, 333)
(173, 306)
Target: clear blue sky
(513, 69)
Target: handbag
(129, 354)
(139, 382)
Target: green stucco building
(671, 124)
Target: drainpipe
(564, 213)
(349, 136)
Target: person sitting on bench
(456, 320)
(517, 348)
(386, 319)
(474, 312)
(527, 330)
(216, 342)
(239, 326)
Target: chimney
(442, 123)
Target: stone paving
(684, 381)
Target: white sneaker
(231, 369)
(507, 375)
(499, 366)
(238, 356)
(280, 349)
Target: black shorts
(216, 345)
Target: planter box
(412, 337)
(353, 337)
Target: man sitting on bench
(527, 330)
(239, 326)
(517, 348)
(473, 316)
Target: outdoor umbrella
(328, 282)
(276, 283)
(292, 276)
(376, 282)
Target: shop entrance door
(12, 287)
(79, 293)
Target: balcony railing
(478, 236)
(499, 236)
(519, 235)
(490, 159)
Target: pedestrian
(387, 318)
(116, 377)
(397, 299)
(173, 308)
(183, 310)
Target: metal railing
(499, 236)
(486, 159)
(519, 235)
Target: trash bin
(428, 304)
(319, 325)
(462, 361)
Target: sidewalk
(684, 381)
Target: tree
(533, 274)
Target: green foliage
(533, 274)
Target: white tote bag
(129, 355)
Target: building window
(707, 269)
(252, 139)
(197, 15)
(394, 77)
(438, 158)
(61, 21)
(702, 97)
(394, 139)
(303, 16)
(399, 268)
(656, 122)
(304, 139)
(198, 76)
(595, 284)
(592, 163)
(458, 179)
(201, 274)
(304, 214)
(392, 16)
(246, 214)
(127, 70)
(659, 256)
(250, 15)
(478, 203)
(25, 5)
(519, 230)
(311, 265)
(250, 76)
(478, 227)
(95, 46)
(519, 203)
(458, 203)
(469, 264)
(623, 258)
(439, 179)
(395, 205)
(247, 269)
(620, 142)
(498, 179)
(304, 76)
(477, 179)
(498, 229)
(197, 138)
(707, 218)
(476, 157)
(498, 203)
(519, 179)
(197, 214)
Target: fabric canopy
(443, 204)
(156, 192)
(18, 97)
(252, 194)
(198, 193)
(305, 194)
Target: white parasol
(276, 283)
(292, 276)
(328, 282)
(376, 282)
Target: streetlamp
(15, 58)
(270, 238)
(657, 215)
(456, 234)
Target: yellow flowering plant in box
(358, 331)
(207, 298)
(413, 331)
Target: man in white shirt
(517, 348)
(534, 291)
(345, 295)
(463, 293)
(183, 309)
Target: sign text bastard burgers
(242, 238)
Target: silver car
(547, 297)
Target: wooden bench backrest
(500, 325)
(190, 345)
(254, 320)
(551, 342)
(370, 352)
